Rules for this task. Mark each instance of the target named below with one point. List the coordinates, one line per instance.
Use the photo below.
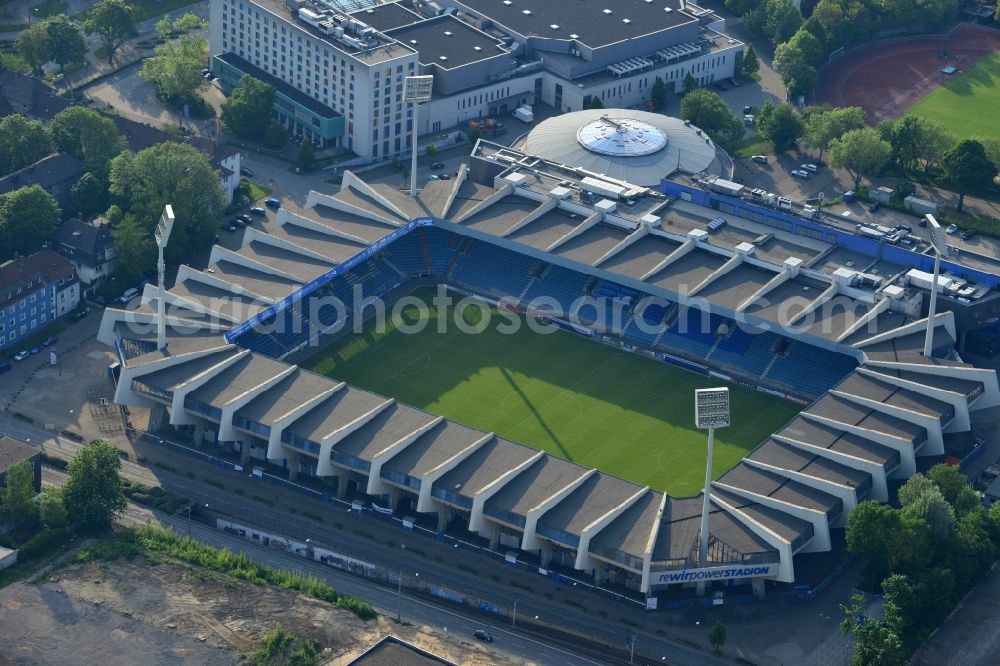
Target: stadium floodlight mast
(711, 411)
(162, 235)
(940, 246)
(416, 89)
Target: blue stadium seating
(492, 270)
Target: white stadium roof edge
(782, 499)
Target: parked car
(483, 635)
(952, 229)
(208, 76)
(205, 71)
(246, 172)
(49, 341)
(799, 173)
(20, 356)
(904, 227)
(35, 350)
(923, 222)
(760, 159)
(968, 234)
(257, 210)
(809, 167)
(230, 227)
(4, 367)
(81, 314)
(129, 294)
(734, 82)
(272, 202)
(747, 109)
(246, 218)
(239, 223)
(434, 176)
(445, 176)
(437, 165)
(872, 207)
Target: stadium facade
(338, 65)
(757, 301)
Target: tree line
(923, 557)
(802, 44)
(130, 189)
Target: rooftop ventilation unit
(575, 36)
(526, 12)
(554, 26)
(667, 9)
(477, 48)
(443, 58)
(447, 33)
(607, 11)
(626, 20)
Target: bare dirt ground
(135, 613)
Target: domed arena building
(635, 146)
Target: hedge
(44, 543)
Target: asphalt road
(584, 621)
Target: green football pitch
(966, 106)
(575, 398)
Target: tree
(114, 22)
(967, 501)
(28, 216)
(862, 152)
(33, 45)
(85, 133)
(803, 45)
(15, 499)
(174, 173)
(949, 480)
(431, 150)
(822, 126)
(690, 83)
(175, 70)
(66, 41)
(780, 124)
(751, 63)
(875, 643)
(871, 528)
(931, 507)
(94, 493)
(247, 111)
(781, 20)
(305, 159)
(275, 135)
(22, 142)
(595, 103)
(966, 169)
(916, 486)
(88, 196)
(658, 93)
(717, 636)
(915, 139)
(706, 110)
(134, 248)
(51, 510)
(189, 22)
(799, 77)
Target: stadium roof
(447, 42)
(387, 16)
(873, 408)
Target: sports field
(572, 397)
(968, 104)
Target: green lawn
(575, 398)
(967, 105)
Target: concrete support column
(758, 587)
(157, 417)
(293, 464)
(341, 485)
(546, 553)
(394, 496)
(245, 454)
(199, 433)
(495, 538)
(444, 517)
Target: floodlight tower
(162, 235)
(416, 89)
(711, 411)
(940, 247)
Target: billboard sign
(418, 89)
(713, 573)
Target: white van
(784, 203)
(129, 295)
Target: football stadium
(569, 441)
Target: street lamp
(940, 246)
(416, 89)
(711, 411)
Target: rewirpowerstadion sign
(714, 573)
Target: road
(539, 605)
